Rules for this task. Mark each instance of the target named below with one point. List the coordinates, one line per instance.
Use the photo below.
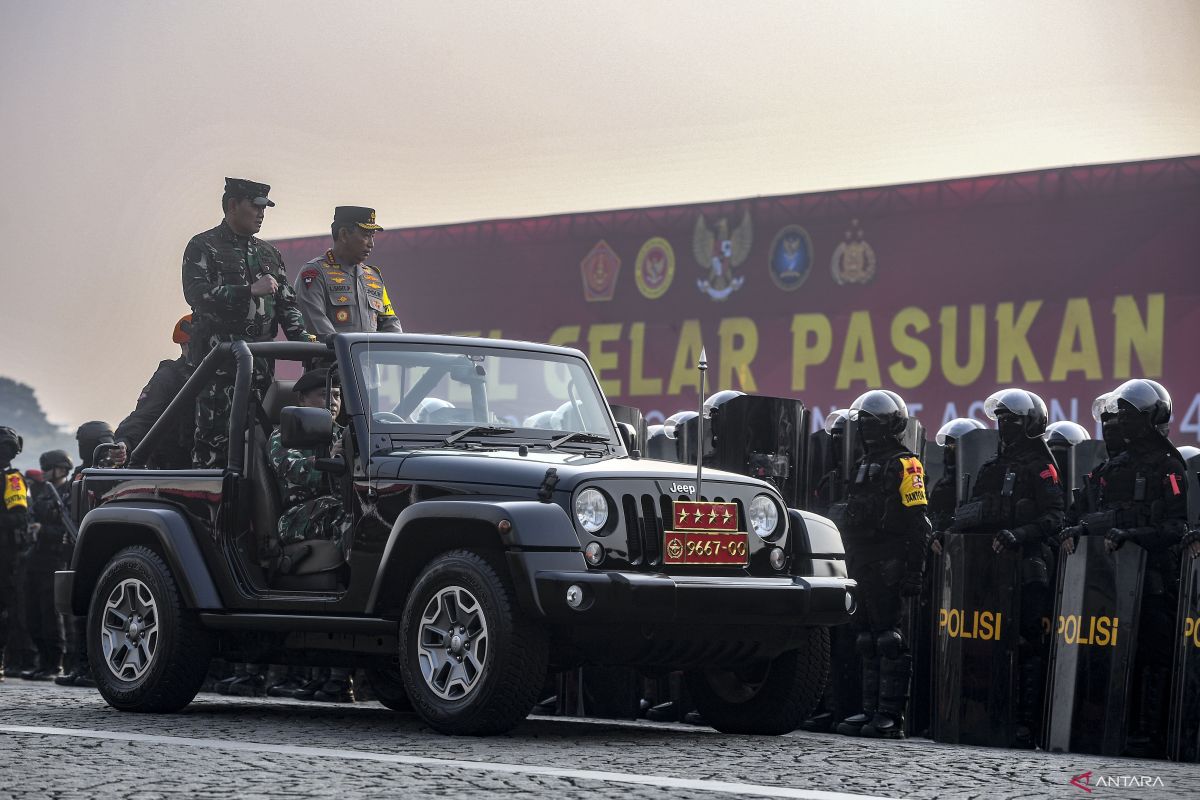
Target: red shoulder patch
(1050, 473)
(309, 275)
(1174, 484)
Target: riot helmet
(10, 445)
(90, 436)
(55, 458)
(835, 421)
(1066, 433)
(1188, 451)
(949, 434)
(428, 407)
(1019, 415)
(719, 399)
(880, 415)
(675, 420)
(1140, 404)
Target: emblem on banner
(854, 258)
(719, 253)
(599, 269)
(655, 268)
(790, 258)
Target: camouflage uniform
(312, 512)
(218, 268)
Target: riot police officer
(1139, 495)
(51, 551)
(884, 526)
(943, 494)
(1018, 499)
(14, 521)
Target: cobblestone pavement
(65, 742)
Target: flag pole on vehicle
(703, 367)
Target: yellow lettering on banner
(859, 360)
(806, 327)
(1077, 327)
(1012, 342)
(639, 385)
(566, 336)
(598, 336)
(1132, 331)
(687, 355)
(962, 374)
(906, 344)
(735, 358)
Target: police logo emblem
(599, 269)
(853, 259)
(719, 253)
(675, 549)
(655, 268)
(342, 315)
(790, 258)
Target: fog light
(574, 595)
(777, 558)
(851, 603)
(594, 553)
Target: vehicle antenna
(703, 367)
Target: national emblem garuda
(720, 252)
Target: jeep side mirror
(303, 428)
(628, 436)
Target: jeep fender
(536, 529)
(111, 528)
(817, 548)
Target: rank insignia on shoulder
(308, 276)
(1050, 473)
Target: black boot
(1029, 701)
(895, 675)
(853, 725)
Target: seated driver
(312, 505)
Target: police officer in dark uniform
(51, 552)
(1018, 499)
(943, 495)
(238, 290)
(173, 451)
(885, 528)
(14, 523)
(828, 488)
(1139, 495)
(90, 436)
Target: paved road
(65, 742)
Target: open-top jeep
(504, 526)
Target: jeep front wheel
(147, 651)
(472, 663)
(767, 698)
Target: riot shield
(1183, 730)
(658, 445)
(934, 462)
(1087, 456)
(1095, 629)
(975, 643)
(763, 437)
(914, 438)
(1193, 490)
(824, 474)
(975, 448)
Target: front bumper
(657, 598)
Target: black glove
(1005, 540)
(911, 585)
(1072, 533)
(1115, 538)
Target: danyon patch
(655, 268)
(912, 486)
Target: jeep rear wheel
(147, 651)
(769, 697)
(471, 662)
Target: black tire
(512, 668)
(388, 686)
(178, 652)
(769, 698)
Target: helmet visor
(1015, 401)
(1137, 393)
(956, 428)
(836, 421)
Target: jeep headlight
(764, 516)
(591, 509)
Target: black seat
(309, 565)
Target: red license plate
(695, 547)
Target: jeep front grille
(645, 519)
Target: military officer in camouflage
(238, 290)
(339, 292)
(312, 509)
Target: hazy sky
(120, 120)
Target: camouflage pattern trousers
(320, 518)
(214, 405)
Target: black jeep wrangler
(504, 526)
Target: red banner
(1065, 281)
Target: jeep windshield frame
(428, 389)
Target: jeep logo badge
(682, 488)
